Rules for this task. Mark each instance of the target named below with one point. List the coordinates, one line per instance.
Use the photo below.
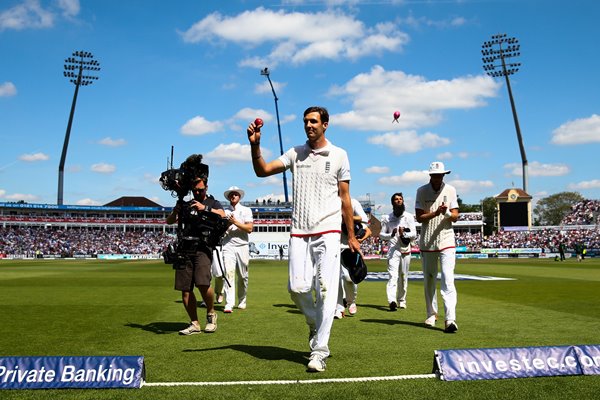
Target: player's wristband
(208, 208)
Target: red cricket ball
(258, 122)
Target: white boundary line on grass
(291, 382)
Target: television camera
(195, 229)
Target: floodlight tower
(501, 48)
(266, 73)
(76, 69)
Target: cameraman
(197, 270)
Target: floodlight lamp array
(492, 55)
(86, 63)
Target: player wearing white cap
(236, 253)
(436, 208)
(399, 229)
(321, 182)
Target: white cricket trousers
(348, 290)
(397, 285)
(447, 259)
(314, 265)
(235, 262)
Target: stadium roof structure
(521, 194)
(132, 201)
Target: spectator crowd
(583, 213)
(31, 241)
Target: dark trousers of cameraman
(197, 272)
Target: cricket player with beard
(436, 208)
(399, 229)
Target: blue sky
(187, 74)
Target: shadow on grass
(292, 308)
(376, 307)
(269, 353)
(399, 322)
(201, 304)
(159, 328)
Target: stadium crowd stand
(38, 241)
(87, 232)
(583, 213)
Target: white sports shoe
(190, 330)
(242, 305)
(228, 310)
(352, 309)
(402, 304)
(316, 363)
(211, 323)
(431, 321)
(339, 314)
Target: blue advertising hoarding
(71, 372)
(517, 362)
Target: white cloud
(376, 94)
(377, 170)
(108, 141)
(408, 141)
(8, 89)
(444, 156)
(34, 157)
(579, 131)
(103, 168)
(28, 14)
(88, 202)
(536, 168)
(24, 197)
(70, 8)
(200, 126)
(408, 177)
(273, 180)
(297, 37)
(421, 22)
(288, 118)
(248, 114)
(264, 87)
(585, 185)
(466, 186)
(449, 155)
(233, 152)
(151, 179)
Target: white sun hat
(437, 167)
(234, 189)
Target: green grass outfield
(95, 308)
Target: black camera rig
(196, 230)
(181, 180)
